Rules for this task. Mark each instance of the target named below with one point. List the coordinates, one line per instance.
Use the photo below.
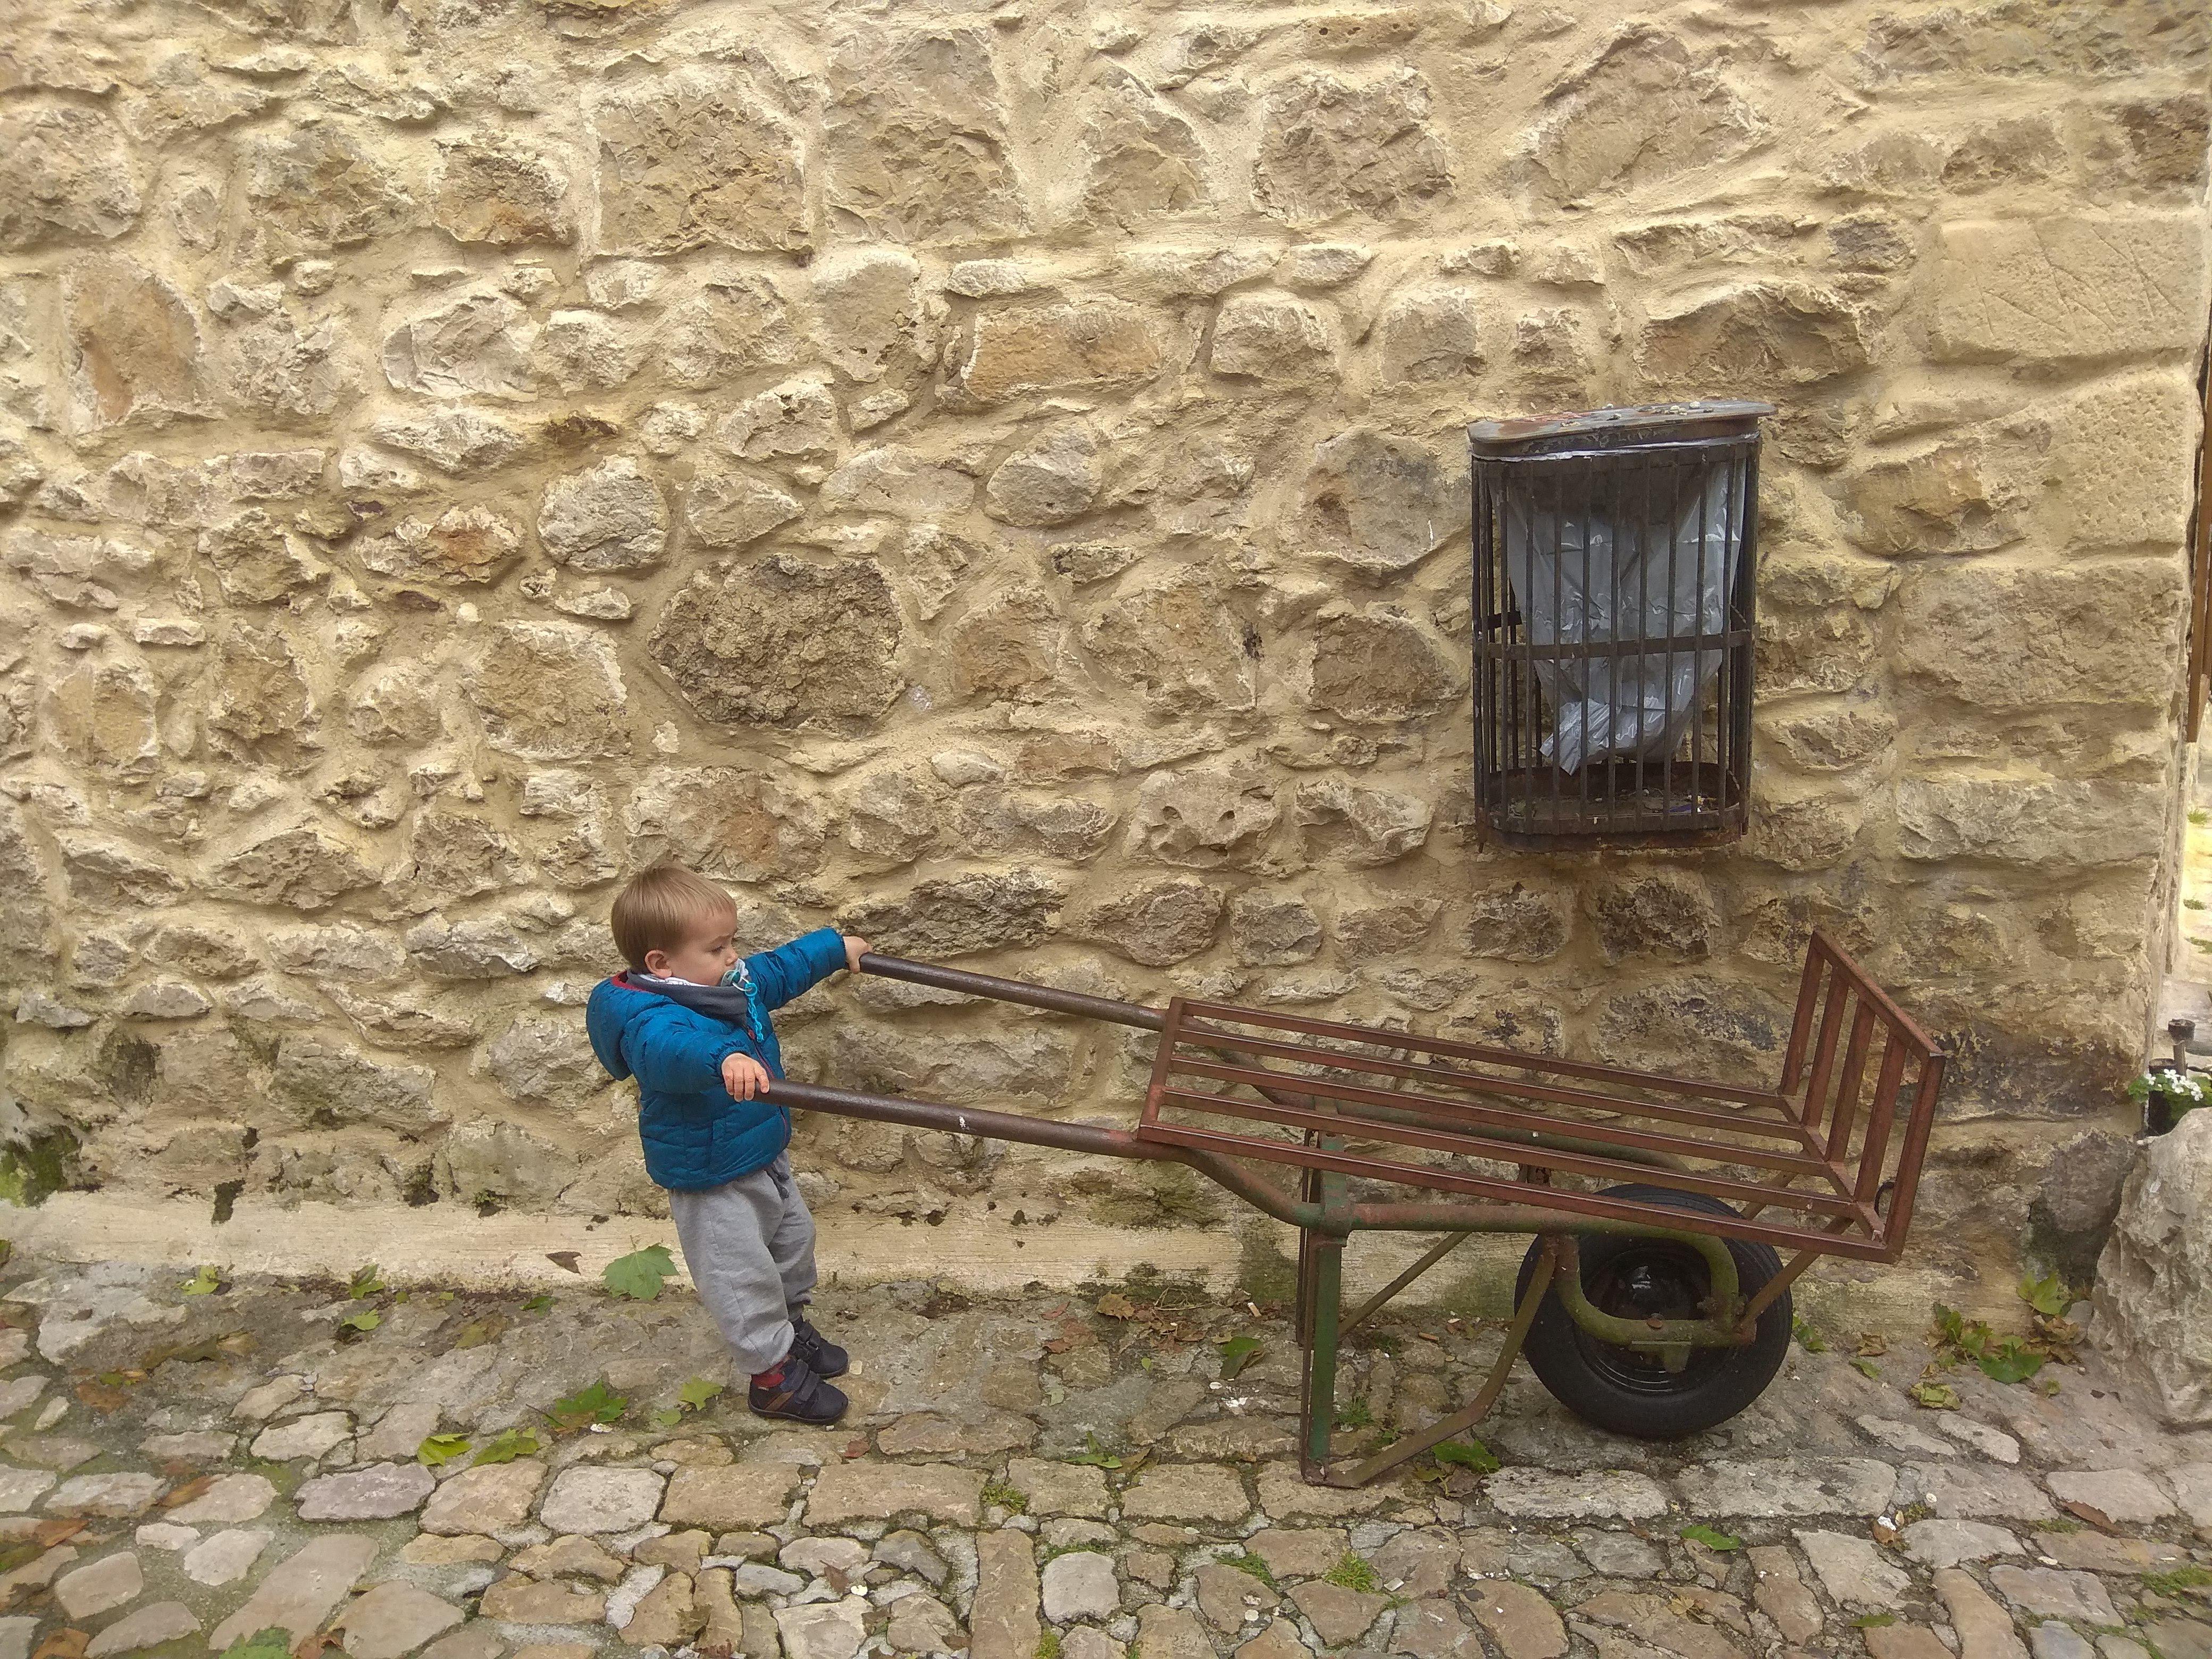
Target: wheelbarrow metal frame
(1813, 1113)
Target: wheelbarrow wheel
(1632, 1393)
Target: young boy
(689, 1021)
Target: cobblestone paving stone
(1053, 1476)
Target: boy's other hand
(744, 1077)
(856, 948)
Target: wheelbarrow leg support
(1477, 1408)
(1321, 1293)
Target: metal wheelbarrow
(1654, 1301)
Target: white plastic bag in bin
(1570, 573)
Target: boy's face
(707, 952)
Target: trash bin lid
(1616, 428)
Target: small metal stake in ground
(1653, 1301)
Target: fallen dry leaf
(185, 1493)
(2089, 1512)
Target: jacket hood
(615, 1003)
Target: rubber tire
(1586, 1376)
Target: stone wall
(993, 477)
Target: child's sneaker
(822, 1356)
(795, 1392)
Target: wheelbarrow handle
(1014, 990)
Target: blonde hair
(661, 907)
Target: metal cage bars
(1695, 788)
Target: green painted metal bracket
(1722, 1327)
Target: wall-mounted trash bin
(1614, 573)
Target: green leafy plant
(2180, 1092)
(1237, 1353)
(1712, 1537)
(537, 1303)
(2178, 1582)
(2008, 1359)
(359, 1324)
(1465, 1455)
(594, 1403)
(1049, 1645)
(696, 1395)
(507, 1445)
(1935, 1396)
(1252, 1564)
(365, 1282)
(1006, 1497)
(1867, 1367)
(205, 1282)
(438, 1450)
(1356, 1415)
(1096, 1456)
(639, 1275)
(272, 1644)
(1354, 1573)
(2001, 1359)
(1807, 1338)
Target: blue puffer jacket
(695, 1135)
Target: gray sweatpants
(748, 1244)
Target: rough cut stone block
(1186, 1491)
(230, 1498)
(2055, 1594)
(1941, 1544)
(735, 1498)
(1075, 345)
(65, 174)
(1955, 1493)
(2021, 637)
(2069, 287)
(850, 1492)
(495, 1498)
(150, 1626)
(300, 1592)
(1789, 1487)
(1004, 1622)
(2050, 823)
(392, 1619)
(2122, 1495)
(99, 1586)
(376, 1493)
(589, 1500)
(1547, 1494)
(696, 158)
(1645, 109)
(115, 1496)
(133, 351)
(2154, 1291)
(915, 145)
(725, 638)
(1332, 145)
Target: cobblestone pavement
(1051, 1477)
